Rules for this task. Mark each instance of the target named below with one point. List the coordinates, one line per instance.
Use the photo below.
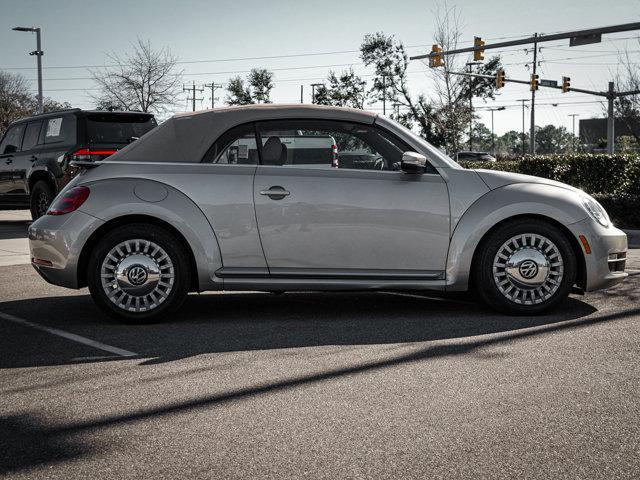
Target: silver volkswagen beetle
(296, 197)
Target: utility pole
(301, 93)
(38, 53)
(193, 98)
(493, 137)
(523, 107)
(213, 86)
(532, 135)
(573, 138)
(313, 91)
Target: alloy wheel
(137, 275)
(528, 269)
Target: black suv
(35, 152)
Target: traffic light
(535, 81)
(436, 60)
(566, 84)
(478, 54)
(500, 78)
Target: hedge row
(613, 179)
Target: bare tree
(143, 79)
(627, 109)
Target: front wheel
(139, 273)
(525, 267)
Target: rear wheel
(40, 199)
(139, 273)
(525, 267)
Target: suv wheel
(40, 199)
(139, 273)
(525, 267)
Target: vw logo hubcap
(528, 269)
(137, 275)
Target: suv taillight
(88, 154)
(69, 201)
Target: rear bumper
(58, 241)
(599, 272)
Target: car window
(235, 147)
(12, 140)
(329, 144)
(60, 130)
(31, 135)
(117, 128)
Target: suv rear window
(110, 128)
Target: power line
(215, 60)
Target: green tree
(390, 61)
(255, 89)
(346, 90)
(261, 83)
(552, 139)
(238, 93)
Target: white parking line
(69, 336)
(428, 297)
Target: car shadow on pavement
(28, 441)
(215, 323)
(10, 229)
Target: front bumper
(58, 241)
(603, 242)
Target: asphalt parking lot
(342, 385)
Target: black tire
(40, 198)
(176, 257)
(496, 287)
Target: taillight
(88, 154)
(334, 156)
(69, 201)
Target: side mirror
(413, 162)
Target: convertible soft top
(186, 137)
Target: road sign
(585, 39)
(548, 83)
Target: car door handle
(33, 158)
(275, 193)
(8, 161)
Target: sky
(213, 37)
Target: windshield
(117, 128)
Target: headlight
(596, 210)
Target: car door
(320, 217)
(9, 148)
(26, 157)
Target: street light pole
(313, 91)
(469, 65)
(493, 137)
(523, 135)
(573, 138)
(38, 53)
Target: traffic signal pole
(576, 37)
(532, 127)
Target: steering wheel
(379, 164)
